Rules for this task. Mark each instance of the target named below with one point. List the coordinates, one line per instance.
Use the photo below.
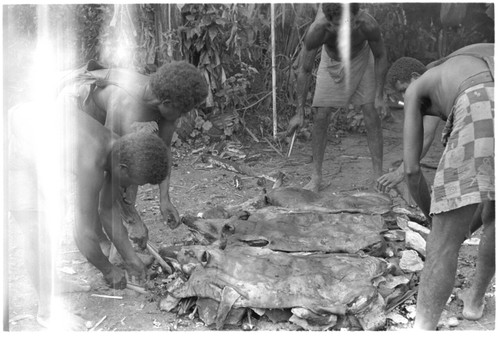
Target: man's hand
(136, 273)
(170, 215)
(389, 180)
(381, 106)
(295, 123)
(116, 278)
(138, 233)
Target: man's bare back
(440, 86)
(120, 98)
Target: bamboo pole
(273, 48)
(157, 256)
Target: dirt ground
(347, 166)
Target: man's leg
(87, 241)
(137, 230)
(477, 220)
(438, 277)
(319, 140)
(485, 267)
(374, 135)
(38, 259)
(118, 235)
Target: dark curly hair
(181, 83)
(145, 155)
(333, 10)
(403, 69)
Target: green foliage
(91, 19)
(229, 43)
(211, 36)
(234, 91)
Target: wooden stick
(98, 323)
(237, 168)
(107, 296)
(251, 134)
(255, 103)
(291, 143)
(137, 288)
(159, 258)
(273, 147)
(403, 298)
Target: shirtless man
(100, 165)
(407, 67)
(460, 90)
(121, 98)
(336, 86)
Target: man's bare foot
(313, 185)
(473, 309)
(63, 321)
(316, 185)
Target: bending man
(458, 89)
(121, 98)
(99, 166)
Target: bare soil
(347, 166)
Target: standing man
(361, 83)
(460, 90)
(120, 98)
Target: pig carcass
(295, 232)
(254, 277)
(355, 202)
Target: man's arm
(111, 219)
(168, 210)
(391, 179)
(87, 224)
(412, 145)
(313, 40)
(374, 37)
(304, 76)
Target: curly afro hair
(403, 69)
(333, 10)
(145, 155)
(181, 83)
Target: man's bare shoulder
(459, 68)
(427, 80)
(423, 87)
(125, 78)
(367, 23)
(318, 26)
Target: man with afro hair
(458, 89)
(83, 162)
(400, 74)
(351, 71)
(121, 98)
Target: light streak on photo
(344, 41)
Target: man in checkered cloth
(460, 90)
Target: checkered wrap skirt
(466, 172)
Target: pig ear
(205, 258)
(228, 229)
